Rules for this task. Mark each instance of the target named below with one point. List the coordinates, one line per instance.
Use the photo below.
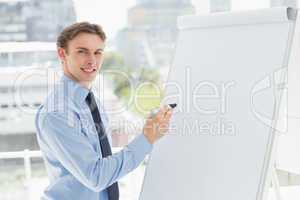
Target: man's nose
(92, 59)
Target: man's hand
(157, 125)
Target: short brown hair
(70, 32)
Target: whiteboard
(221, 137)
(288, 144)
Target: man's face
(83, 58)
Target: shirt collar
(74, 90)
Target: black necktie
(113, 190)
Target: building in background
(34, 20)
(149, 39)
(13, 20)
(48, 18)
(219, 5)
(290, 3)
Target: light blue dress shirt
(69, 142)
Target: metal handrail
(20, 154)
(27, 155)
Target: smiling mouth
(88, 70)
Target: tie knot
(89, 97)
(90, 100)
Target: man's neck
(85, 84)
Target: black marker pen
(155, 111)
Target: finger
(161, 113)
(150, 125)
(168, 115)
(149, 122)
(163, 128)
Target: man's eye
(98, 53)
(80, 51)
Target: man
(71, 125)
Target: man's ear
(61, 53)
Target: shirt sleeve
(77, 155)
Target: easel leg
(275, 184)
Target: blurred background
(141, 42)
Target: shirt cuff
(141, 146)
